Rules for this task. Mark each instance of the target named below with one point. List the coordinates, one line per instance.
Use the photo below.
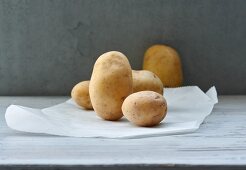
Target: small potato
(111, 83)
(80, 94)
(144, 80)
(145, 108)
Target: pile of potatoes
(115, 90)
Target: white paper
(187, 108)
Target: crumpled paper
(187, 109)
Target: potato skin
(145, 108)
(80, 94)
(165, 62)
(111, 83)
(144, 80)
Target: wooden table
(220, 143)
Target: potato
(165, 62)
(145, 108)
(80, 94)
(144, 80)
(111, 83)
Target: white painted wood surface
(221, 140)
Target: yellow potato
(111, 83)
(165, 62)
(144, 80)
(80, 94)
(145, 108)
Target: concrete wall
(46, 46)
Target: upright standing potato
(111, 83)
(165, 62)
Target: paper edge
(212, 94)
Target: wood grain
(219, 143)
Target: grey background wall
(46, 46)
